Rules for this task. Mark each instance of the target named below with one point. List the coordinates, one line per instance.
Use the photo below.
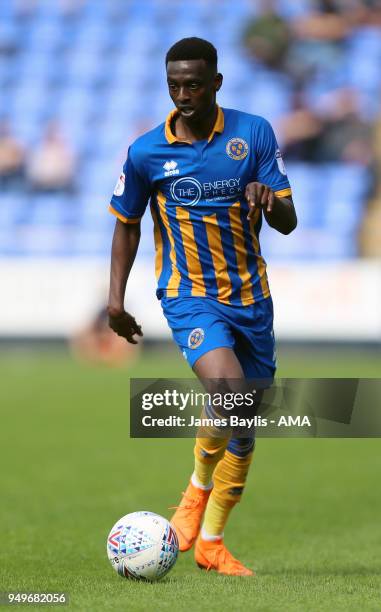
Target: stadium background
(79, 81)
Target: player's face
(192, 86)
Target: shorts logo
(119, 187)
(196, 338)
(237, 148)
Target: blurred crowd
(48, 167)
(311, 52)
(333, 115)
(84, 77)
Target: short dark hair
(193, 48)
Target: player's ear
(218, 81)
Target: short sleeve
(270, 169)
(132, 192)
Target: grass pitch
(309, 522)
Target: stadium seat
(269, 95)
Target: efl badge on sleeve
(280, 162)
(119, 187)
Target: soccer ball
(142, 546)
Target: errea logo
(170, 168)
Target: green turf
(309, 522)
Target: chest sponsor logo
(237, 148)
(186, 191)
(189, 191)
(170, 168)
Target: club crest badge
(196, 338)
(237, 148)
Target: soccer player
(210, 174)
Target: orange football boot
(215, 556)
(187, 518)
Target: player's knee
(224, 385)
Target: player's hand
(124, 324)
(259, 196)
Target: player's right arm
(124, 248)
(128, 204)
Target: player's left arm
(270, 191)
(279, 212)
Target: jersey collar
(218, 126)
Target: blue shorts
(201, 324)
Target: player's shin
(210, 446)
(188, 516)
(229, 480)
(207, 453)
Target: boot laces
(190, 502)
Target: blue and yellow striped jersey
(205, 246)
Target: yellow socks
(229, 481)
(207, 453)
(215, 519)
